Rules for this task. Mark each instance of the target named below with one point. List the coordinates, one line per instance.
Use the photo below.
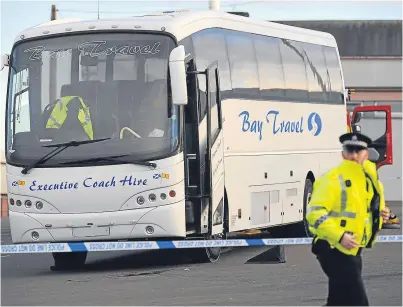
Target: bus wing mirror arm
(5, 61)
(177, 73)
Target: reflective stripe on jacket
(341, 202)
(59, 115)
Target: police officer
(68, 112)
(345, 213)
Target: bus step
(249, 232)
(276, 254)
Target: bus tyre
(69, 261)
(307, 197)
(206, 255)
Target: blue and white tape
(153, 245)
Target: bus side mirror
(356, 128)
(177, 73)
(5, 61)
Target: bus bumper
(166, 221)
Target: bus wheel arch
(308, 188)
(226, 213)
(309, 181)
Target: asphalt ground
(167, 278)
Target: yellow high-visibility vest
(341, 202)
(59, 115)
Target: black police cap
(355, 140)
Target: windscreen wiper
(113, 159)
(59, 148)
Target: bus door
(214, 151)
(204, 152)
(376, 123)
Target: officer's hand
(348, 241)
(385, 214)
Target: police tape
(153, 245)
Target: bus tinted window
(270, 67)
(335, 95)
(296, 87)
(316, 72)
(263, 67)
(188, 44)
(209, 47)
(243, 66)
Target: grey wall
(372, 73)
(360, 37)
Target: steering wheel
(130, 130)
(46, 110)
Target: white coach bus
(170, 126)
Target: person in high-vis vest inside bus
(59, 114)
(345, 213)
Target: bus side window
(270, 67)
(213, 102)
(296, 82)
(336, 91)
(189, 109)
(21, 101)
(243, 64)
(191, 89)
(316, 72)
(205, 55)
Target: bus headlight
(28, 203)
(150, 230)
(160, 196)
(39, 205)
(35, 235)
(152, 197)
(140, 200)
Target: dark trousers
(346, 287)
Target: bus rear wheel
(69, 261)
(307, 197)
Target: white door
(215, 151)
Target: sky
(18, 15)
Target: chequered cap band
(355, 143)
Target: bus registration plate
(91, 231)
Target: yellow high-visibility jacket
(341, 202)
(59, 115)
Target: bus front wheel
(69, 261)
(208, 254)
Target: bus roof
(180, 24)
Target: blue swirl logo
(314, 123)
